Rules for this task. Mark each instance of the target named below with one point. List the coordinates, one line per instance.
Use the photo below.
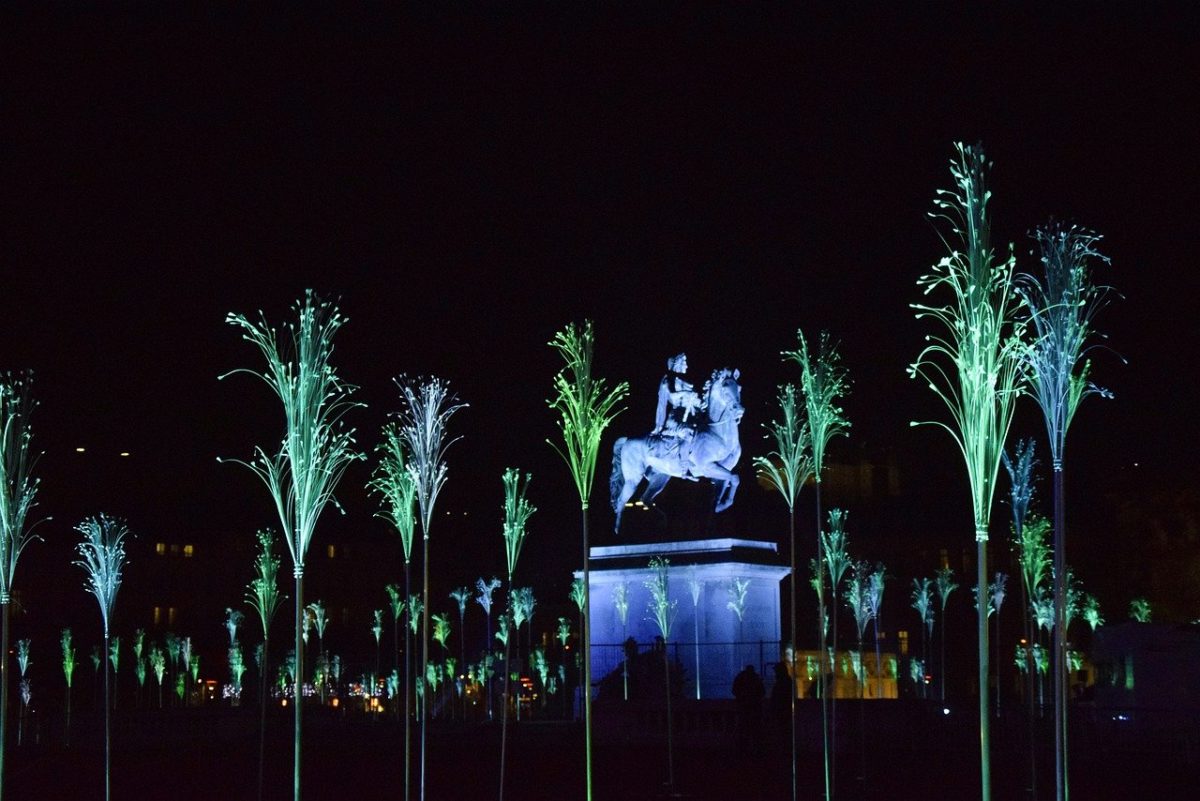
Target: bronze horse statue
(712, 452)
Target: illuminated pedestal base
(709, 629)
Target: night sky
(465, 186)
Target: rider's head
(677, 364)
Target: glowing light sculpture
(517, 511)
(102, 557)
(1061, 307)
(1021, 488)
(824, 383)
(620, 598)
(996, 594)
(662, 611)
(944, 585)
(922, 601)
(263, 596)
(787, 469)
(25, 688)
(317, 446)
(428, 407)
(1139, 610)
(874, 601)
(483, 597)
(397, 487)
(18, 489)
(835, 564)
(973, 364)
(586, 407)
(68, 666)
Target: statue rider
(677, 401)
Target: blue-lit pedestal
(707, 632)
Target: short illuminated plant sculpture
(1139, 610)
(320, 620)
(23, 665)
(158, 663)
(586, 407)
(787, 468)
(517, 511)
(428, 407)
(662, 611)
(973, 364)
(102, 556)
(1020, 473)
(18, 488)
(996, 594)
(1091, 611)
(316, 447)
(484, 590)
(114, 656)
(397, 486)
(824, 383)
(461, 595)
(1062, 306)
(620, 598)
(263, 596)
(874, 601)
(945, 585)
(835, 564)
(68, 665)
(737, 591)
(922, 601)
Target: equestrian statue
(695, 436)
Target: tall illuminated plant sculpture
(786, 469)
(973, 363)
(585, 407)
(824, 383)
(662, 611)
(397, 485)
(102, 556)
(263, 595)
(1062, 305)
(428, 407)
(317, 446)
(18, 488)
(517, 511)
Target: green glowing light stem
(586, 408)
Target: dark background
(465, 185)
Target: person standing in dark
(748, 695)
(781, 702)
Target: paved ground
(911, 753)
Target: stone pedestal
(707, 638)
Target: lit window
(902, 636)
(157, 613)
(160, 548)
(171, 616)
(944, 558)
(331, 550)
(188, 551)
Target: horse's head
(724, 399)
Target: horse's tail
(617, 480)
